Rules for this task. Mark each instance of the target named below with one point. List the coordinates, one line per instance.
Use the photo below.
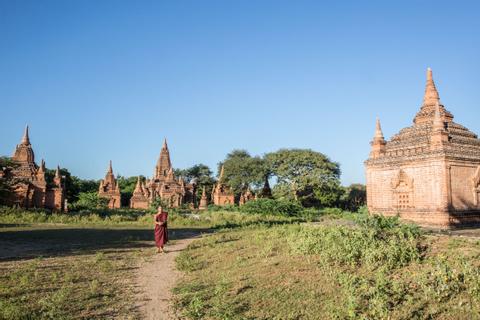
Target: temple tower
(139, 198)
(163, 164)
(30, 185)
(203, 201)
(109, 189)
(429, 172)
(222, 194)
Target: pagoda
(30, 187)
(222, 194)
(109, 189)
(428, 173)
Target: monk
(161, 231)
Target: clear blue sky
(100, 80)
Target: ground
(231, 266)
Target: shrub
(272, 207)
(375, 242)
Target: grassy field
(336, 269)
(82, 266)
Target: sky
(110, 79)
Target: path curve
(158, 277)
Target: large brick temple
(428, 173)
(30, 187)
(163, 185)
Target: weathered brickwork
(222, 194)
(428, 173)
(110, 189)
(31, 189)
(163, 185)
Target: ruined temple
(110, 189)
(165, 186)
(429, 172)
(140, 197)
(30, 186)
(222, 194)
(203, 201)
(246, 196)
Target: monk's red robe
(161, 232)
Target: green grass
(82, 265)
(371, 268)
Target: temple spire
(165, 146)
(378, 130)
(220, 177)
(431, 96)
(110, 169)
(26, 138)
(57, 173)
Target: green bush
(375, 242)
(272, 207)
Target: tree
(354, 197)
(305, 175)
(6, 183)
(90, 201)
(242, 170)
(201, 175)
(73, 185)
(127, 186)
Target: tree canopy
(306, 175)
(242, 170)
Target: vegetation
(346, 267)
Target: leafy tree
(73, 185)
(90, 201)
(241, 170)
(305, 175)
(201, 175)
(354, 197)
(6, 183)
(127, 186)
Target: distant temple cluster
(428, 173)
(173, 191)
(31, 189)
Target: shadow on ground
(52, 242)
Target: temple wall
(427, 192)
(462, 194)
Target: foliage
(272, 207)
(89, 201)
(73, 185)
(6, 184)
(201, 175)
(353, 197)
(242, 170)
(376, 242)
(127, 186)
(305, 175)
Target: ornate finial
(378, 130)
(57, 173)
(110, 169)
(138, 187)
(431, 96)
(26, 138)
(165, 146)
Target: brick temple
(163, 185)
(30, 187)
(222, 194)
(428, 173)
(110, 189)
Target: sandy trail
(158, 276)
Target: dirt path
(158, 277)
